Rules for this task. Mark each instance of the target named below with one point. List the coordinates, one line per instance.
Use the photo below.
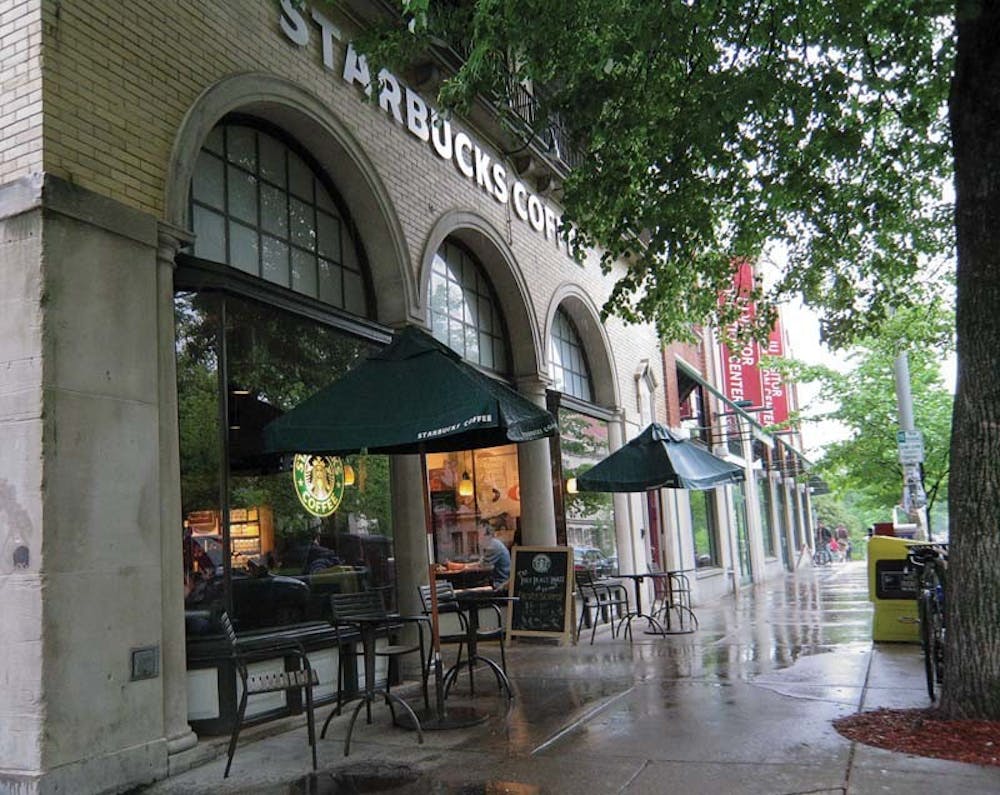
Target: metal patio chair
(303, 678)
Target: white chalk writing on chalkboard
(541, 584)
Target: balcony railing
(552, 136)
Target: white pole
(913, 486)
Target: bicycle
(822, 556)
(932, 562)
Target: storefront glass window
(742, 532)
(704, 528)
(259, 206)
(590, 526)
(199, 422)
(464, 312)
(569, 369)
(263, 555)
(468, 489)
(767, 524)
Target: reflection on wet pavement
(781, 640)
(745, 704)
(397, 780)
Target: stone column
(173, 643)
(534, 463)
(625, 530)
(409, 537)
(807, 526)
(800, 489)
(755, 523)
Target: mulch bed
(922, 733)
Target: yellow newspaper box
(893, 589)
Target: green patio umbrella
(659, 459)
(414, 396)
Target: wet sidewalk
(743, 705)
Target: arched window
(259, 205)
(569, 369)
(465, 314)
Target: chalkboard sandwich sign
(542, 580)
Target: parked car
(593, 559)
(259, 601)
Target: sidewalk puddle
(398, 780)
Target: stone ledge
(56, 195)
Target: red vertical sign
(775, 393)
(741, 366)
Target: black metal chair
(366, 611)
(447, 605)
(604, 598)
(302, 678)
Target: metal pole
(913, 480)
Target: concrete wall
(102, 558)
(80, 475)
(22, 710)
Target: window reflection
(272, 216)
(250, 546)
(590, 527)
(704, 528)
(764, 491)
(569, 369)
(464, 313)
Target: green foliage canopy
(707, 130)
(863, 399)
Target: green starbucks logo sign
(319, 482)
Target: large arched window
(259, 205)
(569, 369)
(464, 312)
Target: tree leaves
(866, 464)
(711, 129)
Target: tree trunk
(972, 664)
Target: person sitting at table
(493, 552)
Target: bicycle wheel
(925, 614)
(936, 607)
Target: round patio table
(470, 602)
(653, 627)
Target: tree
(972, 679)
(866, 464)
(707, 129)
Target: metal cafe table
(366, 612)
(677, 601)
(653, 626)
(470, 601)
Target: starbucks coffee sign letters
(407, 108)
